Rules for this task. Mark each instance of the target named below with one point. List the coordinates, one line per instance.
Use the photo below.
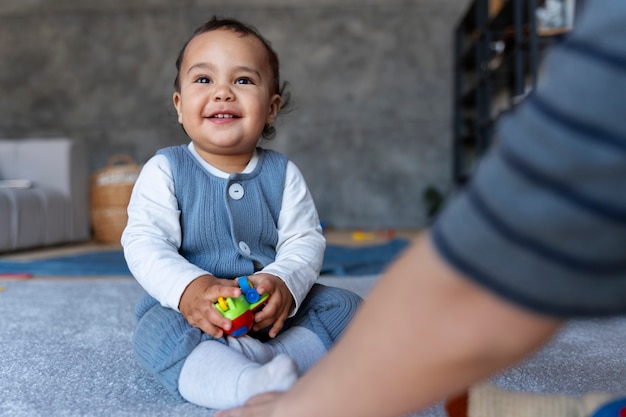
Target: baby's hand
(196, 303)
(278, 306)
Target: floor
(587, 356)
(105, 320)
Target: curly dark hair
(236, 26)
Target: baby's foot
(279, 374)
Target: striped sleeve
(543, 222)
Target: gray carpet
(66, 351)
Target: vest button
(244, 247)
(235, 191)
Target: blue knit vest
(229, 226)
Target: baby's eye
(203, 80)
(243, 80)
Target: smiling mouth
(223, 116)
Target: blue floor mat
(338, 260)
(361, 260)
(86, 264)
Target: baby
(205, 214)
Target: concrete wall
(371, 84)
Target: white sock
(252, 348)
(217, 376)
(301, 345)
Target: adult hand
(259, 406)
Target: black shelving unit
(496, 60)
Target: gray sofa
(44, 193)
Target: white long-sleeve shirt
(153, 234)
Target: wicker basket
(110, 193)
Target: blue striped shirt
(543, 222)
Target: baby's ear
(275, 103)
(177, 104)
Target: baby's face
(226, 93)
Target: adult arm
(423, 334)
